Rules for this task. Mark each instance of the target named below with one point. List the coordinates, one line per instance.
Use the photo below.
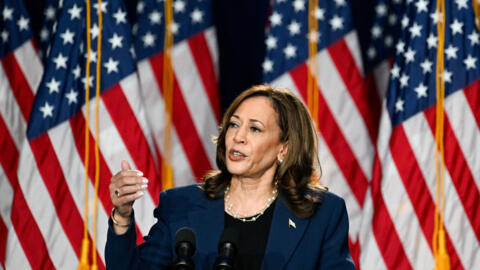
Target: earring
(280, 160)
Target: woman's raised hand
(125, 187)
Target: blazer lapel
(207, 220)
(285, 233)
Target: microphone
(227, 249)
(185, 245)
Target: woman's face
(252, 140)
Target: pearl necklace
(254, 217)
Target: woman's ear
(283, 151)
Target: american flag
(347, 123)
(397, 228)
(43, 158)
(196, 105)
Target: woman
(265, 189)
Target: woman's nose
(240, 136)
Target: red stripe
(77, 123)
(133, 137)
(472, 93)
(50, 170)
(365, 98)
(188, 135)
(26, 227)
(205, 66)
(3, 242)
(417, 190)
(19, 85)
(388, 242)
(335, 139)
(460, 172)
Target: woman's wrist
(119, 220)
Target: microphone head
(185, 235)
(229, 235)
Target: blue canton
(287, 38)
(412, 77)
(14, 26)
(61, 93)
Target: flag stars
(400, 47)
(432, 41)
(426, 66)
(271, 42)
(50, 13)
(336, 23)
(93, 56)
(421, 90)
(60, 61)
(75, 12)
(371, 53)
(94, 31)
(7, 13)
(196, 16)
(388, 41)
(67, 36)
(90, 81)
(404, 80)
(421, 6)
(319, 13)
(155, 17)
(474, 38)
(140, 6)
(415, 30)
(44, 34)
(298, 5)
(470, 62)
(340, 3)
(116, 41)
(47, 110)
(290, 51)
(447, 76)
(436, 17)
(399, 105)
(381, 10)
(53, 86)
(76, 72)
(409, 55)
(111, 65)
(103, 7)
(456, 27)
(461, 4)
(4, 35)
(376, 31)
(294, 28)
(392, 19)
(179, 6)
(451, 52)
(405, 21)
(148, 40)
(120, 16)
(313, 36)
(267, 65)
(395, 71)
(174, 27)
(72, 96)
(22, 23)
(276, 19)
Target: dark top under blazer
(319, 242)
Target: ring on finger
(117, 192)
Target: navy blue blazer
(319, 242)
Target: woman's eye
(255, 129)
(232, 124)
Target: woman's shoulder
(176, 193)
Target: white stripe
(131, 89)
(345, 112)
(73, 170)
(30, 64)
(155, 108)
(404, 218)
(351, 40)
(382, 75)
(331, 174)
(114, 151)
(456, 222)
(370, 256)
(44, 212)
(10, 111)
(211, 37)
(14, 255)
(195, 97)
(466, 130)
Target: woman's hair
(296, 176)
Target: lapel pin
(291, 224)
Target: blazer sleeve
(335, 252)
(122, 252)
